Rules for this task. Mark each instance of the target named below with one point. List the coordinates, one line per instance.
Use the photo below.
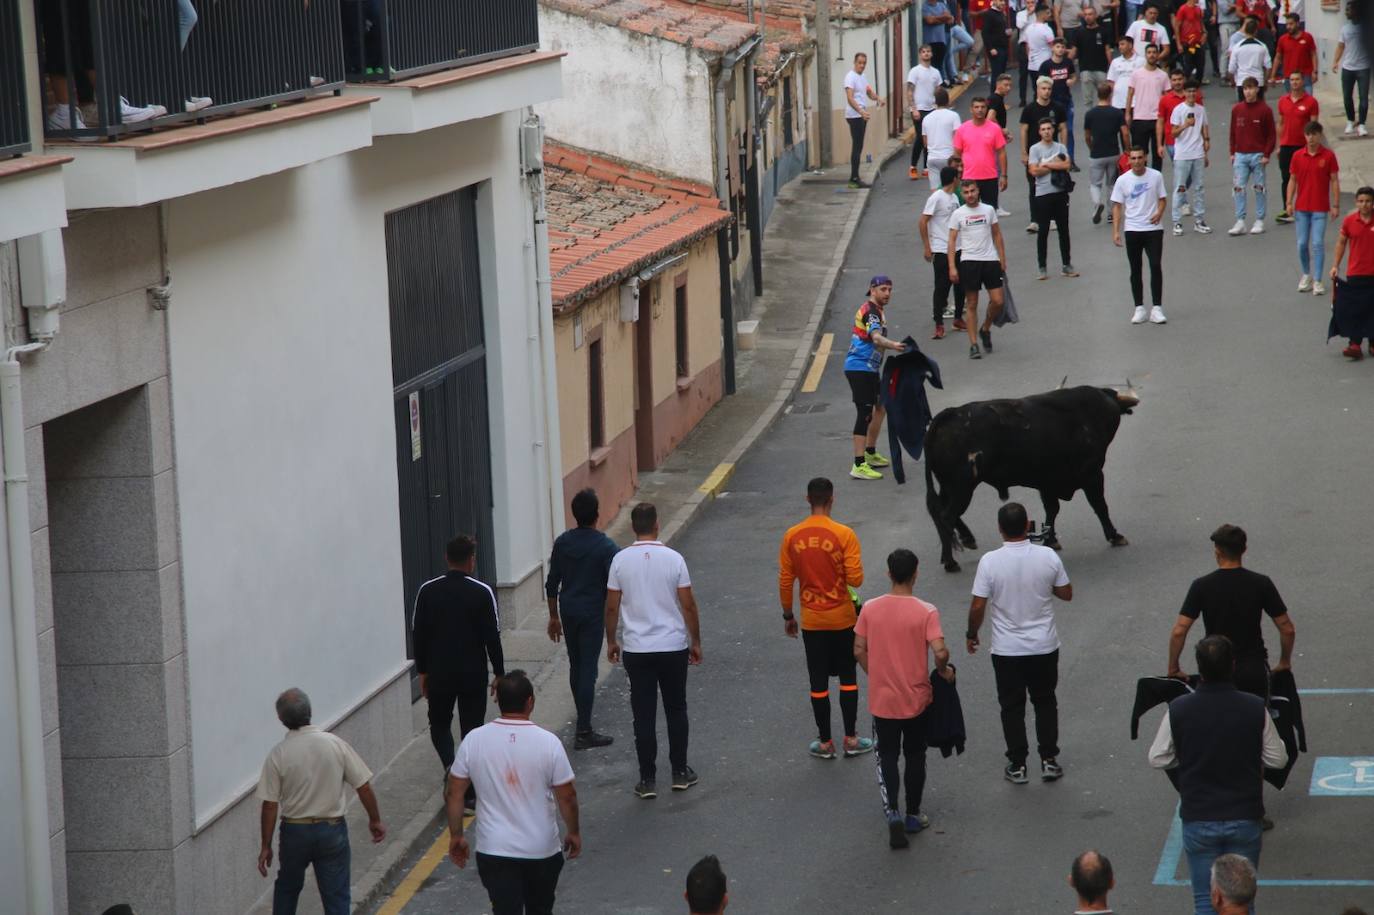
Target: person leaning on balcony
(303, 780)
(65, 63)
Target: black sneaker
(896, 832)
(1015, 774)
(1050, 770)
(645, 790)
(1097, 214)
(590, 740)
(684, 779)
(974, 352)
(1266, 824)
(986, 337)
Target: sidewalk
(804, 247)
(1356, 155)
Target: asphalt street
(1247, 416)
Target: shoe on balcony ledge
(60, 118)
(198, 103)
(134, 114)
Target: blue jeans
(583, 633)
(186, 21)
(1246, 169)
(1311, 233)
(1188, 178)
(959, 40)
(1206, 840)
(324, 845)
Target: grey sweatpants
(1101, 177)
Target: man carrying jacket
(1210, 738)
(576, 591)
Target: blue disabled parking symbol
(1343, 776)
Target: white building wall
(643, 99)
(284, 430)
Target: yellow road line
(717, 480)
(813, 377)
(410, 884)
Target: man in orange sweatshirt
(823, 556)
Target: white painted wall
(638, 98)
(284, 431)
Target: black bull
(1054, 442)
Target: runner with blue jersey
(861, 365)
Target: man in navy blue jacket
(576, 590)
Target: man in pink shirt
(983, 147)
(892, 640)
(1146, 87)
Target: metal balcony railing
(398, 39)
(195, 58)
(14, 117)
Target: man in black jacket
(457, 629)
(576, 590)
(1219, 740)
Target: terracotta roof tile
(684, 22)
(608, 220)
(853, 10)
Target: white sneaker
(60, 118)
(1200, 227)
(133, 114)
(1003, 214)
(1157, 316)
(1178, 228)
(1305, 284)
(198, 103)
(1360, 131)
(1032, 228)
(1349, 128)
(1185, 210)
(1257, 228)
(316, 81)
(1319, 289)
(1140, 315)
(1238, 228)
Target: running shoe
(862, 471)
(1003, 213)
(1069, 270)
(1075, 169)
(1097, 214)
(1360, 131)
(822, 749)
(1140, 315)
(1200, 227)
(1041, 273)
(1284, 217)
(949, 311)
(1185, 210)
(913, 173)
(684, 779)
(855, 184)
(874, 459)
(858, 746)
(915, 822)
(1050, 770)
(1349, 128)
(939, 332)
(896, 831)
(974, 352)
(1032, 228)
(1238, 228)
(986, 336)
(1257, 228)
(645, 790)
(1157, 316)
(1266, 824)
(1015, 774)
(1305, 284)
(1352, 352)
(1178, 228)
(591, 740)
(198, 103)
(1319, 288)
(959, 324)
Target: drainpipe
(754, 176)
(19, 572)
(727, 310)
(727, 67)
(542, 347)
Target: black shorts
(975, 275)
(829, 653)
(864, 387)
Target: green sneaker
(874, 459)
(864, 472)
(857, 746)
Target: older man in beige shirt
(303, 779)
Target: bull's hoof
(1119, 540)
(970, 544)
(952, 566)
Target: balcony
(14, 117)
(388, 40)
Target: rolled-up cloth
(1352, 309)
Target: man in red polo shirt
(1314, 197)
(1357, 234)
(1296, 110)
(1296, 53)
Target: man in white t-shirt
(921, 82)
(649, 590)
(981, 263)
(937, 129)
(1149, 30)
(1038, 38)
(1192, 144)
(521, 772)
(1120, 69)
(1138, 200)
(857, 94)
(1019, 582)
(934, 226)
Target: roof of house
(682, 21)
(853, 10)
(609, 220)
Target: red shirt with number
(1360, 236)
(1299, 54)
(1295, 116)
(1313, 175)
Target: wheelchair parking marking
(1172, 856)
(1342, 776)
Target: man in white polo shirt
(521, 772)
(650, 590)
(1020, 581)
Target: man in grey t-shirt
(1352, 62)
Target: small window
(596, 396)
(680, 325)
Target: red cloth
(1360, 236)
(1257, 8)
(1167, 103)
(1295, 116)
(1252, 128)
(1192, 33)
(1297, 55)
(1313, 175)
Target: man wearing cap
(867, 341)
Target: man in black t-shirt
(1043, 106)
(1104, 127)
(1065, 75)
(1091, 51)
(1231, 602)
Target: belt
(309, 821)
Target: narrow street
(1245, 417)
